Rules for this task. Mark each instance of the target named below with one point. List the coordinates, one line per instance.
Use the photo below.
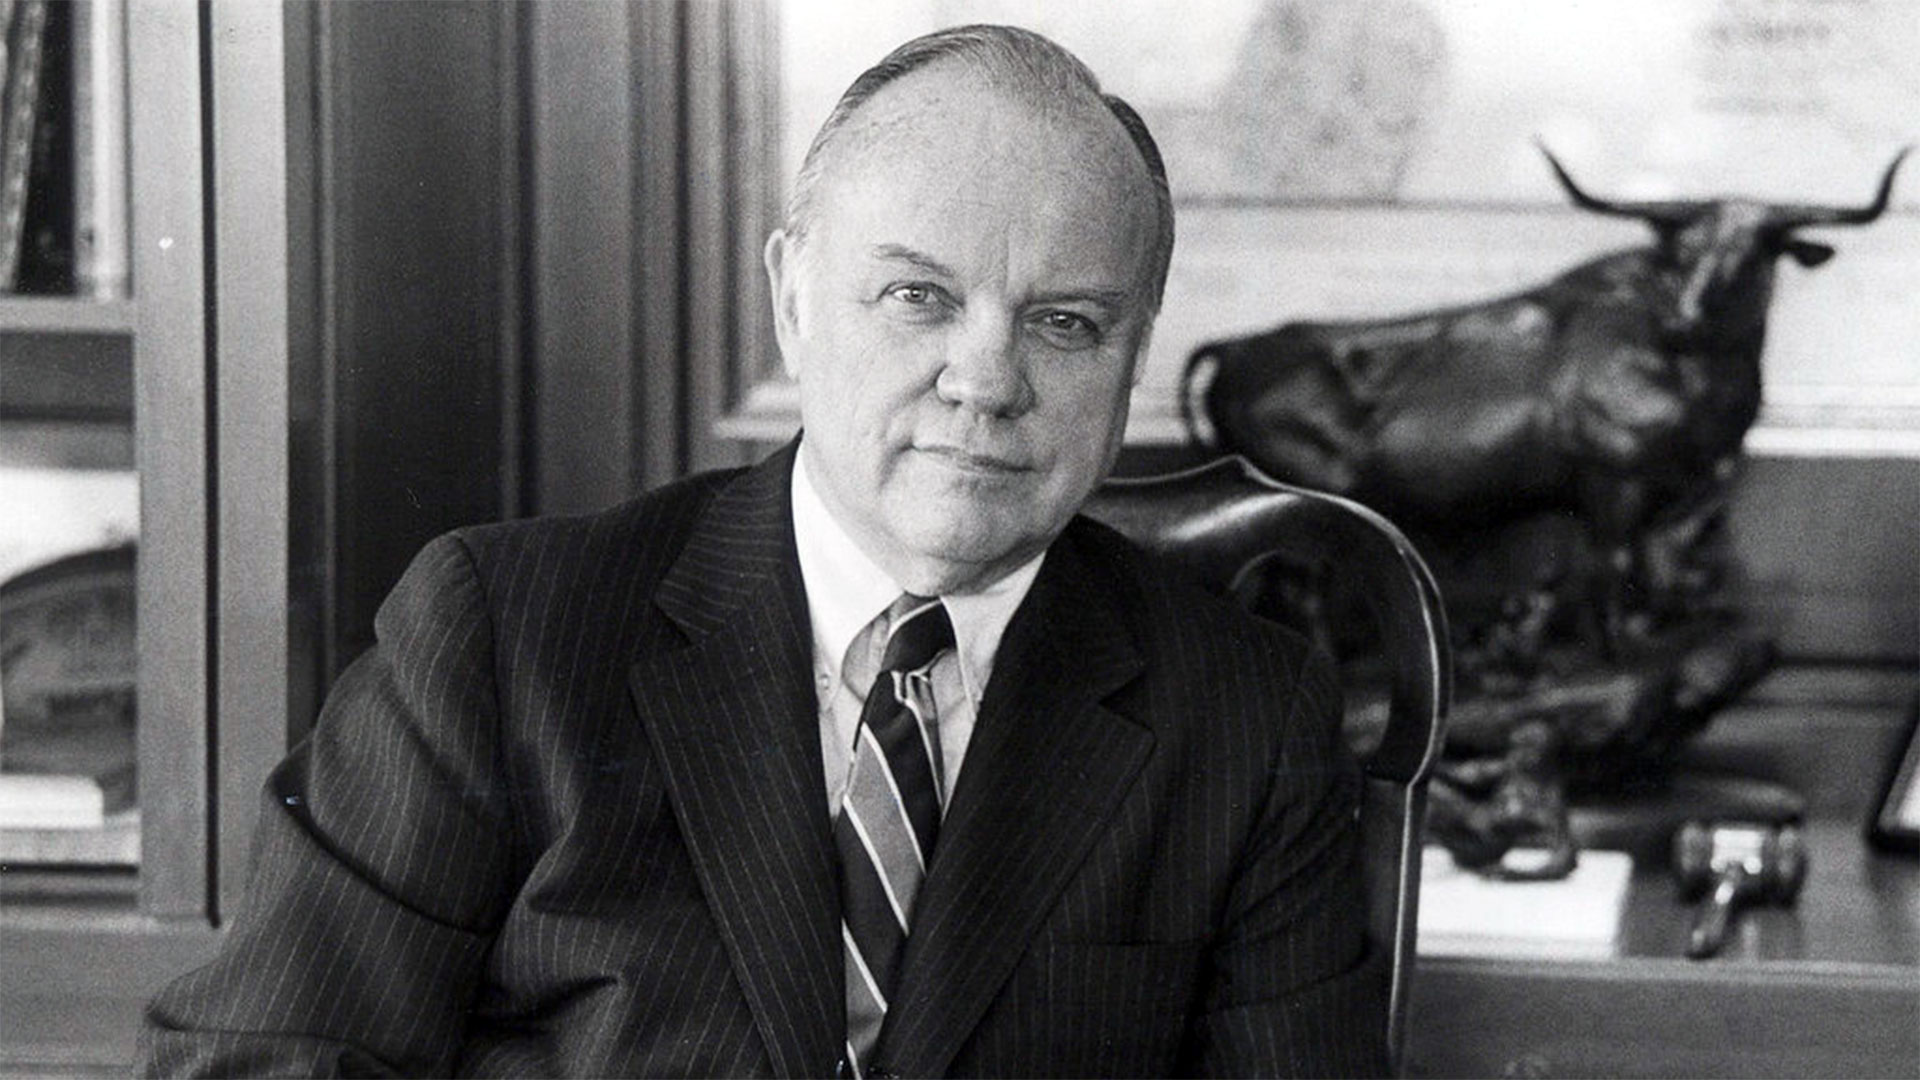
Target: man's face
(964, 317)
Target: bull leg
(1615, 510)
(1621, 611)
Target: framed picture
(1895, 825)
(1361, 158)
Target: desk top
(1830, 986)
(1828, 734)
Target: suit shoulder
(621, 548)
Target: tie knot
(917, 630)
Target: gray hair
(1035, 64)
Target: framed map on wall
(1356, 158)
(1439, 101)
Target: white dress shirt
(845, 592)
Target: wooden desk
(1830, 987)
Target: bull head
(1717, 254)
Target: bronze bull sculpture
(1619, 391)
(1562, 457)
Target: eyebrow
(1110, 298)
(902, 253)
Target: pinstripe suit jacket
(566, 818)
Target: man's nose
(984, 370)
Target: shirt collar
(846, 590)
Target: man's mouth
(969, 461)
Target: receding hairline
(1029, 68)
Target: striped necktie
(891, 813)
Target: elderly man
(870, 759)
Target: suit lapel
(1047, 768)
(732, 719)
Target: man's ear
(782, 259)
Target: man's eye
(914, 294)
(1068, 328)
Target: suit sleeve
(383, 859)
(1296, 988)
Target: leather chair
(1223, 522)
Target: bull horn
(1795, 216)
(1653, 211)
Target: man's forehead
(1033, 245)
(940, 142)
(1015, 117)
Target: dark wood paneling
(249, 214)
(588, 447)
(648, 210)
(1828, 551)
(416, 195)
(1649, 1018)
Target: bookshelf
(67, 391)
(112, 373)
(307, 187)
(116, 843)
(62, 315)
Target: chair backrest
(1220, 522)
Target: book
(19, 107)
(46, 261)
(36, 801)
(6, 23)
(1575, 917)
(102, 251)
